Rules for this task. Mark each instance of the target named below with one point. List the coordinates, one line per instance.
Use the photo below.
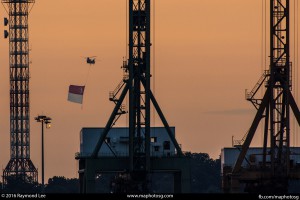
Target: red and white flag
(76, 93)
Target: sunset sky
(207, 52)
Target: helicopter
(90, 60)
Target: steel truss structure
(136, 83)
(20, 164)
(274, 109)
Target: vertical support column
(287, 88)
(271, 84)
(139, 94)
(277, 108)
(20, 164)
(280, 83)
(147, 87)
(43, 159)
(131, 89)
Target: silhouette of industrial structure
(20, 166)
(277, 166)
(136, 83)
(262, 169)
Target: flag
(76, 93)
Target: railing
(113, 94)
(125, 76)
(249, 95)
(123, 108)
(125, 154)
(240, 142)
(237, 143)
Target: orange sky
(206, 53)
